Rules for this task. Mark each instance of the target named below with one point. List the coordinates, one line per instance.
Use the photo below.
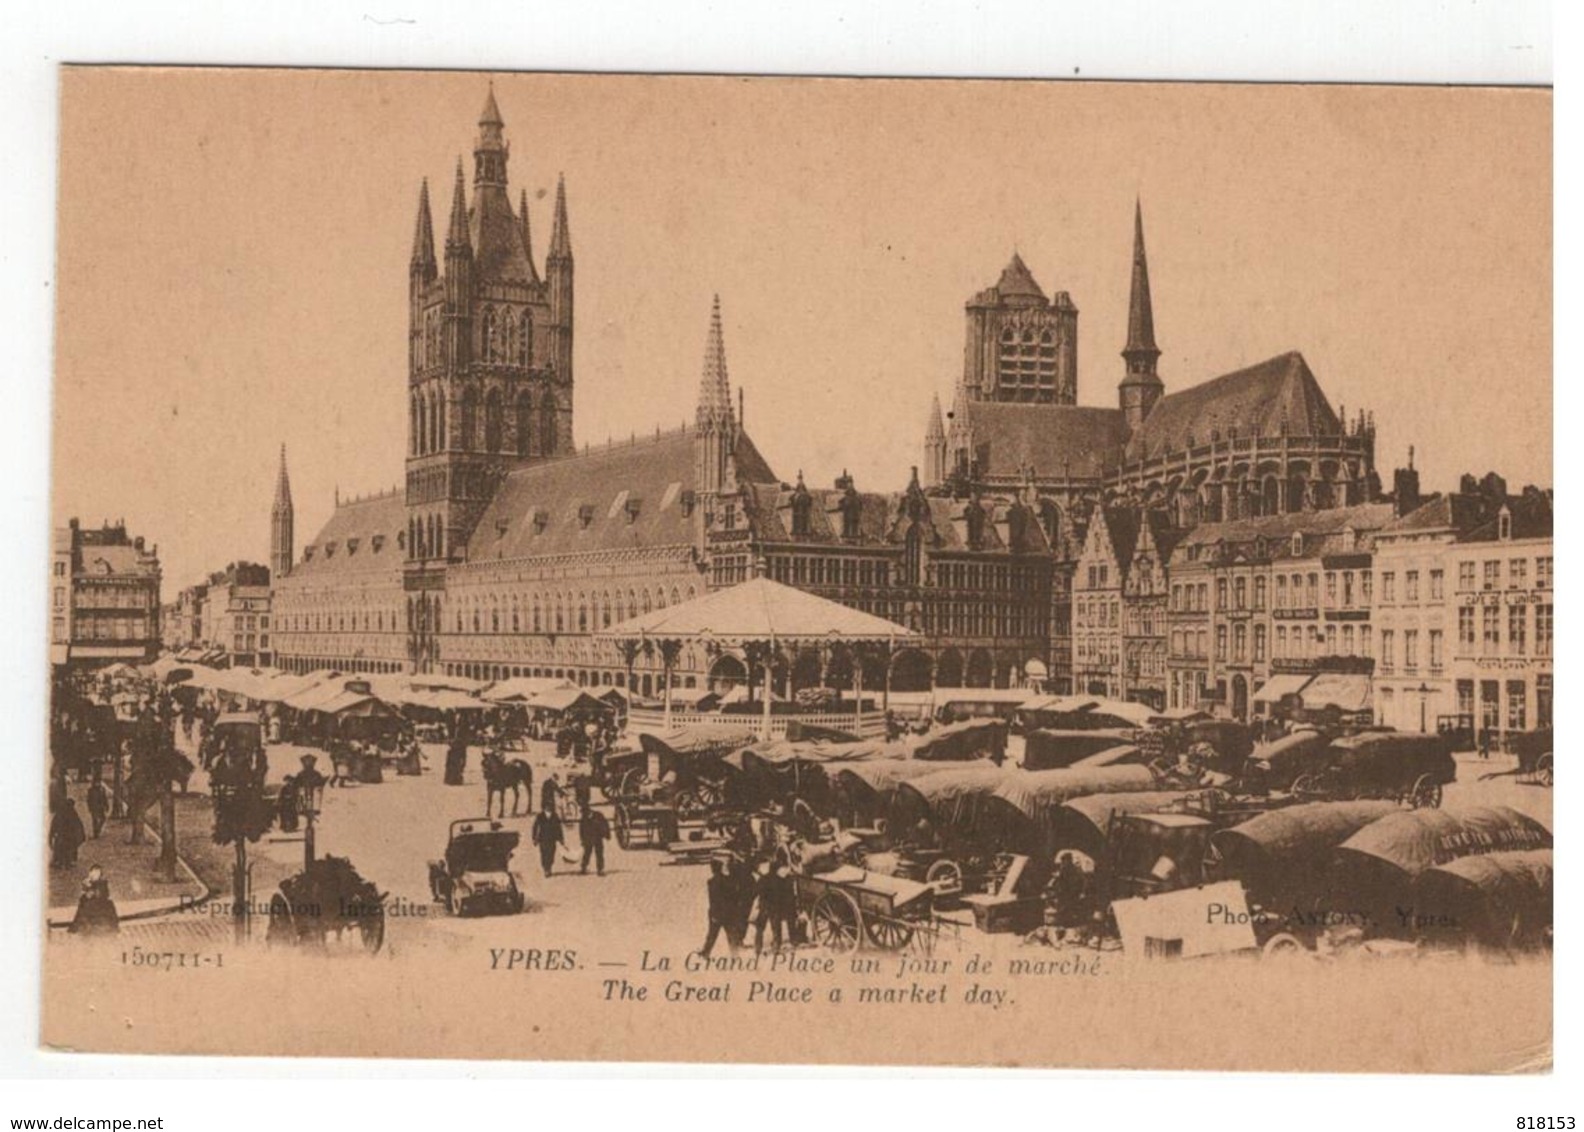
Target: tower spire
(1141, 386)
(282, 524)
(457, 240)
(423, 254)
(714, 400)
(560, 237)
(1141, 312)
(934, 445)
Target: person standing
(724, 896)
(96, 912)
(550, 794)
(66, 836)
(548, 834)
(98, 803)
(777, 905)
(593, 831)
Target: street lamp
(1424, 697)
(310, 796)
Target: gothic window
(487, 332)
(415, 426)
(913, 557)
(1027, 364)
(537, 623)
(583, 617)
(548, 410)
(508, 335)
(469, 418)
(492, 421)
(524, 422)
(525, 340)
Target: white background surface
(1345, 40)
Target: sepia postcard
(639, 568)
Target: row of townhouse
(1429, 613)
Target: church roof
(1257, 401)
(1055, 440)
(626, 496)
(1320, 529)
(361, 536)
(1017, 281)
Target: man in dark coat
(777, 898)
(548, 834)
(98, 804)
(593, 830)
(456, 760)
(66, 836)
(725, 896)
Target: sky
(232, 253)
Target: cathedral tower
(1021, 346)
(282, 540)
(490, 353)
(1141, 387)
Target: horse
(501, 775)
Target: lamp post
(310, 795)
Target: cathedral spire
(1141, 312)
(937, 427)
(457, 241)
(490, 151)
(560, 237)
(934, 445)
(423, 254)
(714, 399)
(1141, 386)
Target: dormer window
(1297, 544)
(541, 520)
(500, 528)
(852, 513)
(377, 543)
(585, 516)
(330, 549)
(802, 508)
(689, 501)
(634, 506)
(352, 545)
(401, 540)
(308, 553)
(1504, 525)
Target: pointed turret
(716, 435)
(1141, 387)
(423, 252)
(457, 240)
(560, 236)
(558, 274)
(281, 524)
(935, 445)
(714, 399)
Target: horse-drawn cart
(1403, 766)
(850, 907)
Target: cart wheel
(888, 934)
(709, 794)
(945, 877)
(623, 831)
(1282, 945)
(1306, 786)
(1543, 770)
(1426, 794)
(834, 921)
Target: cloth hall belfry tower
(490, 381)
